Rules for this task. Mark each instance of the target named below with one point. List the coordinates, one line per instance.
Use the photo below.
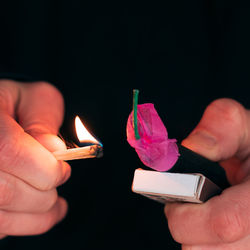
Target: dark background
(181, 55)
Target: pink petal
(153, 148)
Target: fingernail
(201, 139)
(50, 141)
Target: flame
(82, 133)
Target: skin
(30, 117)
(223, 222)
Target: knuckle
(228, 226)
(54, 99)
(232, 117)
(6, 84)
(47, 89)
(228, 108)
(8, 93)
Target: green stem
(135, 103)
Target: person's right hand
(30, 117)
(222, 222)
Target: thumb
(222, 133)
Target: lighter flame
(82, 133)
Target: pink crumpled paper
(154, 148)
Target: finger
(38, 107)
(19, 224)
(9, 96)
(223, 131)
(44, 117)
(17, 196)
(242, 244)
(222, 219)
(54, 143)
(41, 108)
(22, 156)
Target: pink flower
(153, 148)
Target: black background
(181, 55)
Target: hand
(222, 222)
(30, 116)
